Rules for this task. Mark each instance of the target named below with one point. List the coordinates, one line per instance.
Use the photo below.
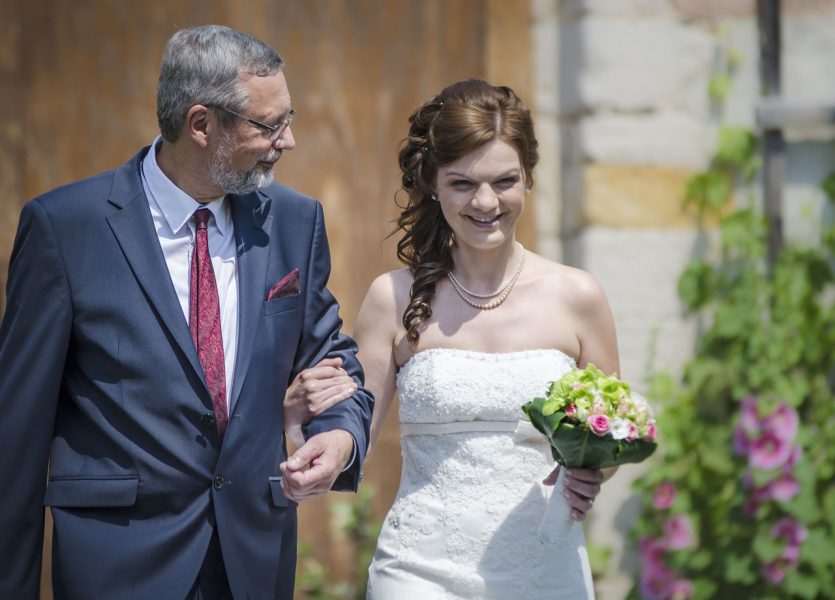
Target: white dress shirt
(172, 210)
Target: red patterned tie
(204, 318)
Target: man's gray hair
(203, 65)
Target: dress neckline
(481, 355)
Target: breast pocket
(283, 305)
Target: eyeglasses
(273, 132)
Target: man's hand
(312, 392)
(312, 469)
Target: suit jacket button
(218, 482)
(208, 419)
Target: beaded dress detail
(464, 522)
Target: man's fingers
(301, 458)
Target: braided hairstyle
(462, 118)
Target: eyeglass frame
(274, 131)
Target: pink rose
(633, 432)
(571, 411)
(599, 424)
(664, 496)
(652, 432)
(678, 532)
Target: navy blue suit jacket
(100, 380)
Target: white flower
(620, 428)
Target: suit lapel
(252, 222)
(134, 230)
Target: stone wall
(625, 118)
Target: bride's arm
(375, 332)
(595, 329)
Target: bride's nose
(485, 198)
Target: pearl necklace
(502, 292)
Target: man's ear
(200, 124)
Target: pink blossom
(678, 532)
(790, 530)
(749, 417)
(577, 386)
(681, 589)
(656, 581)
(782, 422)
(652, 432)
(769, 451)
(599, 424)
(784, 488)
(794, 458)
(598, 408)
(773, 573)
(623, 407)
(571, 411)
(741, 442)
(651, 549)
(791, 555)
(633, 432)
(664, 496)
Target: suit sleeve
(34, 337)
(322, 337)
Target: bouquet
(591, 420)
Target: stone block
(635, 196)
(657, 138)
(634, 65)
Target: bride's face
(482, 195)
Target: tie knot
(201, 218)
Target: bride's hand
(312, 392)
(581, 487)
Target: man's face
(243, 158)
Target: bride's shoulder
(569, 283)
(389, 290)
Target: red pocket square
(288, 286)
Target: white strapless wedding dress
(465, 520)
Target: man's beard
(234, 182)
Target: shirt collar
(176, 206)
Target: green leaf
(736, 146)
(738, 569)
(718, 87)
(697, 284)
(801, 585)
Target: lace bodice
(470, 501)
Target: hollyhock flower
(769, 451)
(742, 444)
(664, 496)
(681, 589)
(794, 458)
(678, 532)
(782, 422)
(791, 555)
(784, 488)
(599, 424)
(773, 573)
(749, 417)
(656, 581)
(790, 530)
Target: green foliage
(768, 342)
(353, 518)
